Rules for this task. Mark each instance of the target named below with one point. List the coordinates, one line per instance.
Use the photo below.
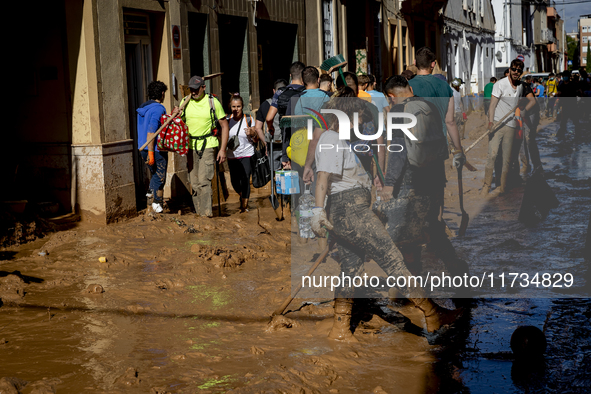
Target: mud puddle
(182, 304)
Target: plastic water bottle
(307, 202)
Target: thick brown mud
(176, 304)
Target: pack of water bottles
(304, 214)
(287, 182)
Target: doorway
(138, 61)
(277, 50)
(233, 37)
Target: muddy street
(170, 303)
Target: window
(584, 29)
(327, 15)
(584, 49)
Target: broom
(335, 62)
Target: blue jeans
(158, 172)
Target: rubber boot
(503, 187)
(488, 177)
(341, 327)
(436, 316)
(243, 205)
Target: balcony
(544, 36)
(551, 13)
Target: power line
(534, 2)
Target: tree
(572, 46)
(588, 66)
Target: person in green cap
(488, 94)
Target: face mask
(552, 79)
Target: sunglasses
(515, 69)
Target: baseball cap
(196, 82)
(457, 82)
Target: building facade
(468, 43)
(584, 38)
(513, 35)
(90, 69)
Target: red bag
(174, 137)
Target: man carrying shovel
(357, 230)
(414, 183)
(505, 96)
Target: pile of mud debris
(17, 229)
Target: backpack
(215, 126)
(215, 123)
(431, 143)
(284, 98)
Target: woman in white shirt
(241, 149)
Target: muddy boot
(436, 316)
(503, 188)
(341, 328)
(488, 176)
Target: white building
(514, 35)
(468, 43)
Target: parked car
(544, 76)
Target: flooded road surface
(182, 305)
(496, 242)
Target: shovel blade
(276, 206)
(463, 224)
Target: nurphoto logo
(347, 122)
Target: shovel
(320, 259)
(492, 130)
(465, 217)
(273, 197)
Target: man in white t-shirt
(505, 96)
(358, 232)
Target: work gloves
(320, 222)
(459, 158)
(151, 159)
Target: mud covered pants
(201, 172)
(501, 139)
(359, 233)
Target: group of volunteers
(214, 138)
(409, 181)
(342, 174)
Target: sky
(570, 13)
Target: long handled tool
(335, 62)
(465, 217)
(492, 130)
(273, 197)
(217, 176)
(469, 166)
(183, 105)
(320, 259)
